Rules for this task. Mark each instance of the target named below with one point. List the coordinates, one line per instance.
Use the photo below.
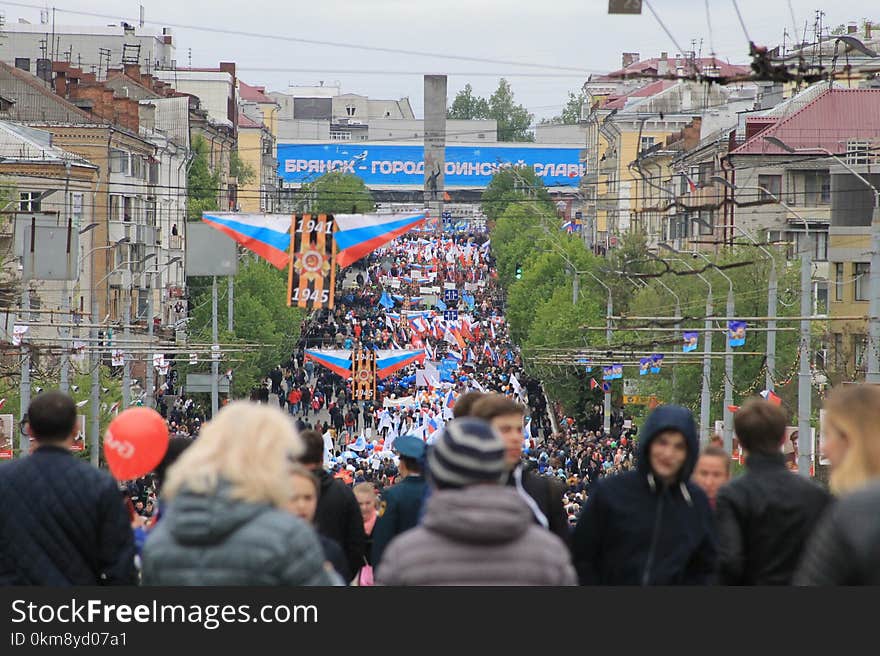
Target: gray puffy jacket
(217, 540)
(480, 535)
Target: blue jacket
(635, 530)
(62, 522)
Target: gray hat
(467, 452)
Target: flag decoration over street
(644, 366)
(267, 235)
(690, 342)
(360, 234)
(736, 333)
(656, 363)
(336, 360)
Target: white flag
(158, 360)
(17, 334)
(117, 358)
(193, 358)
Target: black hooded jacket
(635, 530)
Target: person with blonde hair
(226, 522)
(845, 547)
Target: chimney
(628, 59)
(868, 28)
(852, 28)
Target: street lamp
(805, 399)
(707, 347)
(148, 376)
(873, 372)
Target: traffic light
(518, 274)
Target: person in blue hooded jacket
(650, 526)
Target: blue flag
(656, 363)
(736, 333)
(386, 301)
(644, 366)
(690, 342)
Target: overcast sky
(564, 33)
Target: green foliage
(338, 192)
(203, 185)
(261, 317)
(9, 390)
(517, 185)
(514, 121)
(571, 112)
(240, 169)
(467, 106)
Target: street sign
(624, 6)
(450, 315)
(629, 399)
(450, 295)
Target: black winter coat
(764, 519)
(634, 530)
(845, 547)
(547, 493)
(62, 522)
(339, 518)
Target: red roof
(828, 122)
(652, 66)
(652, 89)
(245, 122)
(253, 94)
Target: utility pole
(25, 386)
(215, 353)
(805, 399)
(230, 313)
(149, 374)
(95, 397)
(126, 331)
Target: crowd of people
(453, 474)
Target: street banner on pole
(363, 371)
(6, 437)
(311, 277)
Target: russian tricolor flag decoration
(361, 234)
(267, 235)
(390, 361)
(337, 361)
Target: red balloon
(135, 442)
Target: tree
(571, 112)
(467, 106)
(202, 185)
(261, 317)
(241, 170)
(338, 193)
(516, 185)
(513, 120)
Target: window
(645, 143)
(838, 281)
(115, 208)
(29, 201)
(861, 285)
(706, 223)
(23, 63)
(153, 172)
(127, 208)
(76, 209)
(858, 152)
(772, 184)
(811, 188)
(350, 110)
(150, 211)
(119, 161)
(859, 344)
(821, 299)
(820, 243)
(340, 135)
(137, 167)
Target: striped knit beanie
(468, 451)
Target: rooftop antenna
(141, 20)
